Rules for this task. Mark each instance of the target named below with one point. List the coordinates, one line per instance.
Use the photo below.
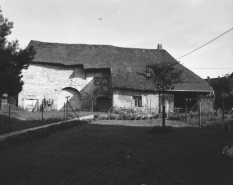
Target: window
(97, 81)
(138, 101)
(104, 84)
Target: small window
(138, 101)
(97, 81)
(104, 84)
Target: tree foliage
(12, 60)
(165, 75)
(223, 85)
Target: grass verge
(22, 138)
(21, 119)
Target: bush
(125, 114)
(161, 130)
(113, 117)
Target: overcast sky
(179, 25)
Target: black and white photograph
(116, 92)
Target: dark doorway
(103, 103)
(188, 98)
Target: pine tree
(12, 60)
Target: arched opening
(74, 98)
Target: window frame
(137, 101)
(107, 85)
(99, 81)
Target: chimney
(208, 78)
(160, 46)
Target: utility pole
(67, 99)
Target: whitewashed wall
(124, 99)
(47, 81)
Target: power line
(212, 68)
(205, 44)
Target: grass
(20, 119)
(142, 123)
(189, 155)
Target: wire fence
(203, 112)
(192, 111)
(13, 118)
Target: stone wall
(47, 81)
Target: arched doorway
(74, 98)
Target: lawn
(142, 123)
(20, 119)
(188, 155)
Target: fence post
(9, 120)
(42, 111)
(199, 113)
(223, 107)
(67, 98)
(64, 111)
(163, 115)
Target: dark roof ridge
(93, 45)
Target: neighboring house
(99, 77)
(212, 81)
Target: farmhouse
(98, 77)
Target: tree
(12, 60)
(165, 76)
(223, 85)
(223, 88)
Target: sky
(181, 26)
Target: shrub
(155, 116)
(124, 114)
(103, 117)
(113, 116)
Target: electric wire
(212, 68)
(205, 44)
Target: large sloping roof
(125, 63)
